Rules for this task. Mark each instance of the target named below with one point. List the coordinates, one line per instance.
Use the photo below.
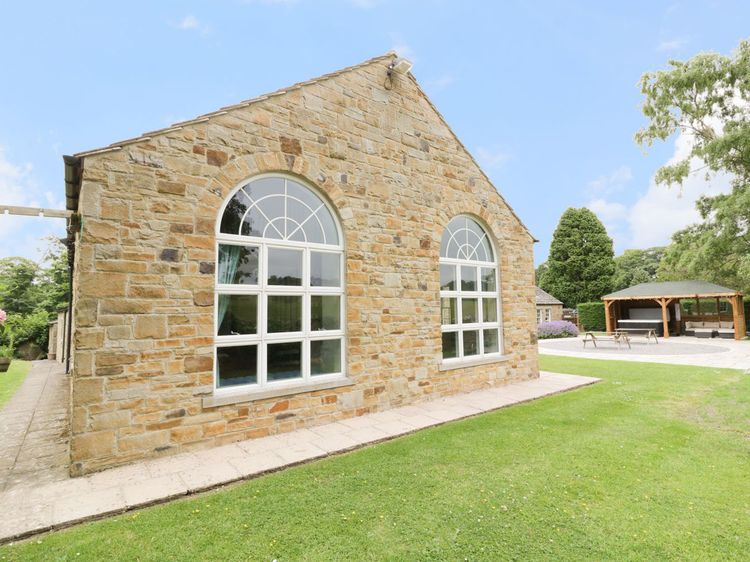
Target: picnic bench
(618, 337)
(648, 333)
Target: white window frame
(459, 294)
(262, 338)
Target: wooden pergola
(667, 293)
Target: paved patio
(683, 350)
(34, 429)
(30, 508)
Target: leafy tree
(53, 279)
(707, 98)
(717, 249)
(32, 293)
(17, 285)
(636, 266)
(581, 260)
(539, 272)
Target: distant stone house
(548, 308)
(321, 252)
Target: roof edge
(471, 156)
(679, 289)
(223, 110)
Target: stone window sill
(460, 364)
(224, 399)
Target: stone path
(683, 350)
(34, 429)
(32, 509)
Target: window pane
(284, 267)
(489, 310)
(468, 278)
(284, 361)
(450, 345)
(490, 341)
(233, 213)
(488, 279)
(447, 277)
(237, 314)
(448, 314)
(325, 312)
(260, 188)
(469, 311)
(284, 313)
(238, 265)
(237, 365)
(325, 269)
(325, 357)
(471, 342)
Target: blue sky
(544, 94)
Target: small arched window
(279, 287)
(469, 303)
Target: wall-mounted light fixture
(398, 65)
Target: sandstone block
(151, 326)
(92, 445)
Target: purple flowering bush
(556, 329)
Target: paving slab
(29, 509)
(682, 350)
(34, 429)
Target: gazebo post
(607, 317)
(664, 303)
(738, 317)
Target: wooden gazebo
(618, 305)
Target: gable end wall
(144, 282)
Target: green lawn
(10, 381)
(651, 464)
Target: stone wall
(144, 281)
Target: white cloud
(402, 48)
(272, 2)
(671, 45)
(660, 210)
(493, 157)
(21, 236)
(613, 215)
(608, 211)
(439, 83)
(191, 23)
(612, 182)
(188, 22)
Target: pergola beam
(34, 212)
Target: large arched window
(469, 304)
(279, 287)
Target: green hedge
(591, 316)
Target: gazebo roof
(672, 289)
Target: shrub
(591, 316)
(556, 329)
(32, 327)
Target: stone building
(320, 252)
(548, 308)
